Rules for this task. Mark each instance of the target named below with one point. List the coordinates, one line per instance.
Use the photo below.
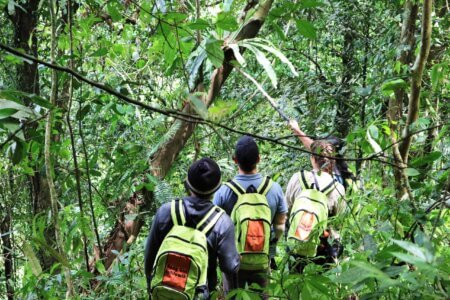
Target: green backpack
(308, 217)
(181, 265)
(252, 221)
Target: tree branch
(417, 74)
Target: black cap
(204, 177)
(246, 152)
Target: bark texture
(27, 80)
(5, 231)
(401, 152)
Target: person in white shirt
(321, 176)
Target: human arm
(279, 223)
(158, 231)
(306, 140)
(227, 254)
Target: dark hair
(246, 167)
(246, 153)
(341, 165)
(323, 147)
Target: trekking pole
(261, 89)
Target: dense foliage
(105, 104)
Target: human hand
(294, 125)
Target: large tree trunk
(5, 231)
(164, 157)
(24, 24)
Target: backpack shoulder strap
(303, 182)
(177, 212)
(265, 186)
(235, 187)
(210, 219)
(329, 187)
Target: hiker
(258, 209)
(187, 238)
(312, 198)
(341, 171)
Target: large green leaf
(390, 86)
(265, 45)
(306, 29)
(264, 62)
(114, 10)
(411, 172)
(7, 112)
(214, 52)
(226, 21)
(429, 158)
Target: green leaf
(32, 259)
(389, 87)
(214, 52)
(310, 3)
(100, 267)
(194, 64)
(226, 21)
(221, 109)
(411, 172)
(373, 131)
(114, 11)
(18, 151)
(429, 158)
(264, 62)
(306, 29)
(414, 250)
(81, 113)
(7, 112)
(435, 74)
(100, 52)
(176, 17)
(3, 4)
(42, 102)
(198, 24)
(275, 52)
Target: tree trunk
(416, 81)
(5, 231)
(401, 152)
(395, 106)
(165, 156)
(27, 76)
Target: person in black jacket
(203, 179)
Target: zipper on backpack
(186, 241)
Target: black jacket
(220, 238)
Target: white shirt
(336, 203)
